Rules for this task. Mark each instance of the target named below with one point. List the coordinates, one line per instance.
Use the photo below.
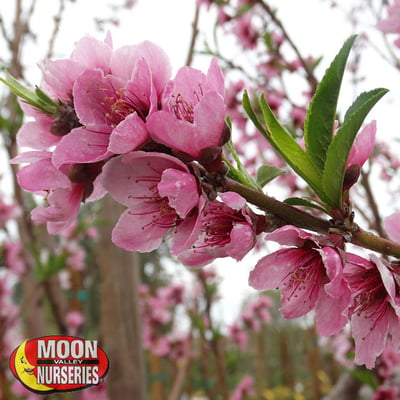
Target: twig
(183, 369)
(377, 223)
(301, 219)
(195, 32)
(313, 81)
(56, 28)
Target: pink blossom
(245, 31)
(8, 212)
(172, 295)
(97, 392)
(89, 53)
(363, 145)
(309, 275)
(113, 107)
(193, 111)
(392, 226)
(388, 362)
(238, 335)
(387, 393)
(257, 313)
(18, 389)
(391, 24)
(63, 195)
(244, 389)
(223, 229)
(375, 312)
(159, 192)
(179, 346)
(74, 320)
(13, 257)
(59, 77)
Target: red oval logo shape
(58, 364)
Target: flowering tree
(164, 147)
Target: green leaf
(36, 98)
(267, 173)
(321, 114)
(252, 115)
(290, 150)
(365, 376)
(305, 202)
(239, 173)
(338, 152)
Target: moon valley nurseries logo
(58, 364)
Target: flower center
(308, 269)
(217, 224)
(122, 103)
(163, 216)
(182, 109)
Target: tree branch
(302, 219)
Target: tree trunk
(120, 318)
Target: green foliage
(53, 264)
(36, 98)
(321, 114)
(266, 173)
(281, 140)
(339, 149)
(323, 162)
(365, 376)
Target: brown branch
(377, 222)
(195, 32)
(183, 369)
(56, 28)
(302, 219)
(310, 76)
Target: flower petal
(81, 145)
(137, 232)
(130, 134)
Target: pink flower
(74, 320)
(60, 75)
(244, 389)
(193, 111)
(387, 393)
(359, 154)
(363, 145)
(223, 229)
(309, 275)
(13, 257)
(113, 107)
(8, 212)
(97, 392)
(257, 313)
(159, 192)
(392, 226)
(375, 312)
(63, 197)
(238, 335)
(388, 362)
(392, 23)
(245, 31)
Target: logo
(58, 364)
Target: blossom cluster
(314, 272)
(121, 124)
(159, 332)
